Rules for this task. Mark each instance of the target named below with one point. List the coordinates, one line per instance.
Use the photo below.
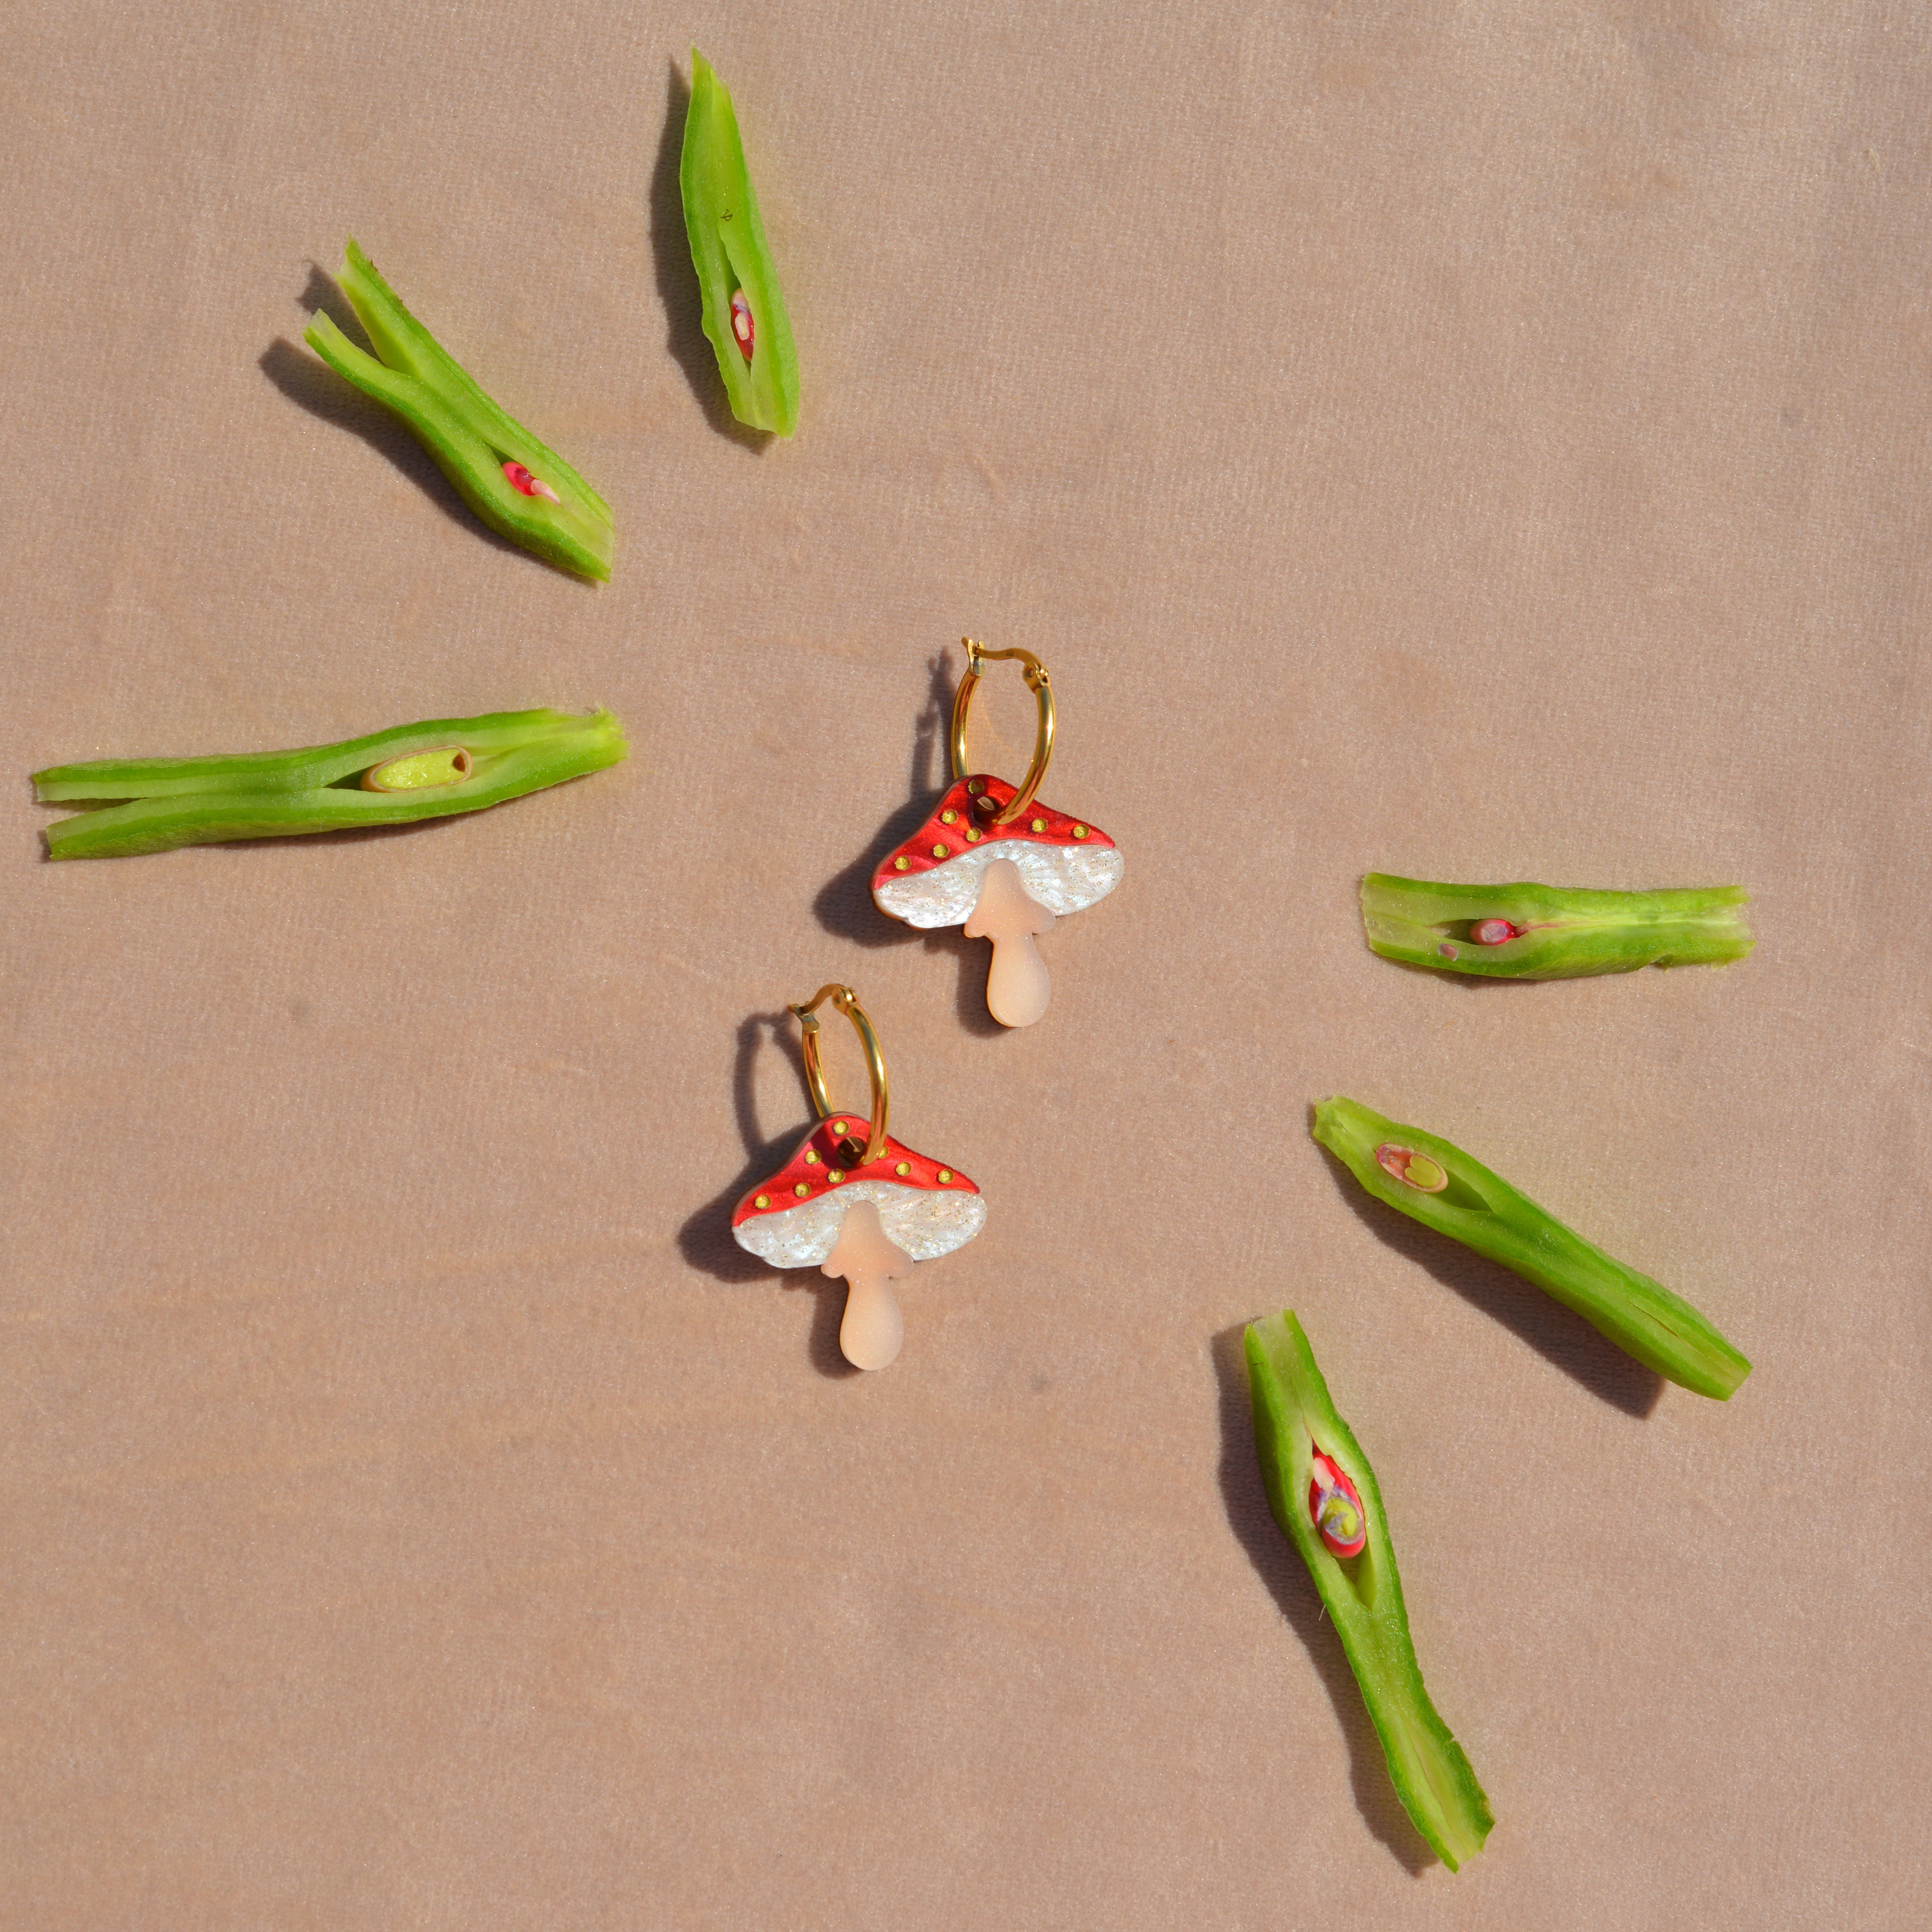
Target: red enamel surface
(1326, 1475)
(782, 1188)
(917, 851)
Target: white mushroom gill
(926, 1223)
(872, 1330)
(1018, 984)
(1063, 878)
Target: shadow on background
(1555, 1332)
(307, 380)
(1281, 1568)
(706, 1239)
(845, 906)
(677, 278)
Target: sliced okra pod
(520, 487)
(1435, 1183)
(1325, 1497)
(744, 307)
(1550, 932)
(429, 770)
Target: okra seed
(1447, 951)
(520, 478)
(741, 323)
(1493, 931)
(1412, 1169)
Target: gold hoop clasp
(1041, 685)
(846, 1001)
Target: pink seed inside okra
(741, 323)
(520, 478)
(1412, 1169)
(1495, 931)
(1335, 1507)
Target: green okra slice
(1304, 1444)
(1550, 932)
(519, 487)
(442, 765)
(745, 316)
(1435, 1183)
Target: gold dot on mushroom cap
(832, 1173)
(1039, 825)
(762, 1201)
(838, 1126)
(900, 865)
(945, 1175)
(904, 1167)
(810, 1159)
(803, 1187)
(1080, 832)
(939, 851)
(949, 818)
(974, 834)
(977, 786)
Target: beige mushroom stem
(873, 1328)
(1018, 987)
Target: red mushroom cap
(957, 826)
(819, 1167)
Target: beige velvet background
(1478, 441)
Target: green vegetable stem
(744, 306)
(519, 487)
(1547, 932)
(1437, 1184)
(415, 771)
(1329, 1505)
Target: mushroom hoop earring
(993, 859)
(852, 1202)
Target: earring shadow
(677, 278)
(705, 1240)
(1557, 1334)
(1294, 1591)
(308, 382)
(845, 906)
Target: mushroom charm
(855, 1203)
(993, 859)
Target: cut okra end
(1527, 931)
(430, 770)
(744, 318)
(1433, 1181)
(518, 486)
(1323, 1495)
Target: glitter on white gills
(852, 1201)
(992, 858)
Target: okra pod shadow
(705, 1240)
(845, 906)
(317, 388)
(677, 277)
(1286, 1576)
(1555, 1333)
